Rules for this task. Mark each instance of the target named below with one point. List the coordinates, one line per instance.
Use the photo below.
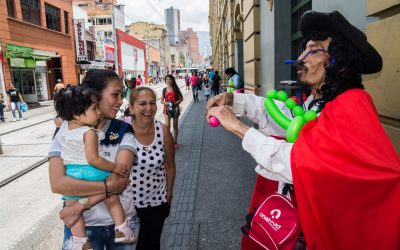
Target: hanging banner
(80, 40)
(100, 51)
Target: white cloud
(194, 13)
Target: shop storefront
(29, 71)
(133, 60)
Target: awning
(15, 51)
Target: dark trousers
(151, 225)
(1, 112)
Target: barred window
(10, 8)
(66, 22)
(31, 11)
(52, 17)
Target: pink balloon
(213, 121)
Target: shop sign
(100, 52)
(17, 62)
(109, 53)
(80, 39)
(30, 63)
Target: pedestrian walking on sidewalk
(59, 86)
(215, 83)
(343, 166)
(15, 100)
(187, 81)
(194, 82)
(207, 92)
(79, 141)
(171, 98)
(153, 173)
(119, 148)
(139, 81)
(2, 106)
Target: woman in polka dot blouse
(153, 173)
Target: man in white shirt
(343, 166)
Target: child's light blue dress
(73, 154)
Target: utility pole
(115, 40)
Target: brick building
(37, 46)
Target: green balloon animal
(292, 126)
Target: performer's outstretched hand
(219, 100)
(228, 120)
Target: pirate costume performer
(345, 171)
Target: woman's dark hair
(230, 71)
(98, 79)
(74, 100)
(344, 73)
(177, 91)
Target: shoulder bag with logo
(275, 224)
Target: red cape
(346, 175)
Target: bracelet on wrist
(108, 193)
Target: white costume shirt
(272, 155)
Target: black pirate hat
(335, 22)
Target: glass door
(24, 80)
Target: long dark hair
(177, 91)
(344, 73)
(98, 79)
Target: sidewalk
(213, 187)
(36, 115)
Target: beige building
(252, 37)
(156, 36)
(384, 34)
(234, 28)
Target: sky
(194, 13)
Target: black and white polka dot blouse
(148, 177)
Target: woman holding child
(119, 148)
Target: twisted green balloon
(293, 126)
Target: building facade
(102, 18)
(37, 46)
(132, 56)
(172, 16)
(155, 35)
(191, 41)
(255, 37)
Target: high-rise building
(172, 17)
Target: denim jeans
(16, 105)
(102, 237)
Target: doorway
(24, 80)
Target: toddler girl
(81, 153)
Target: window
(66, 22)
(108, 34)
(103, 21)
(10, 8)
(91, 20)
(52, 17)
(31, 11)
